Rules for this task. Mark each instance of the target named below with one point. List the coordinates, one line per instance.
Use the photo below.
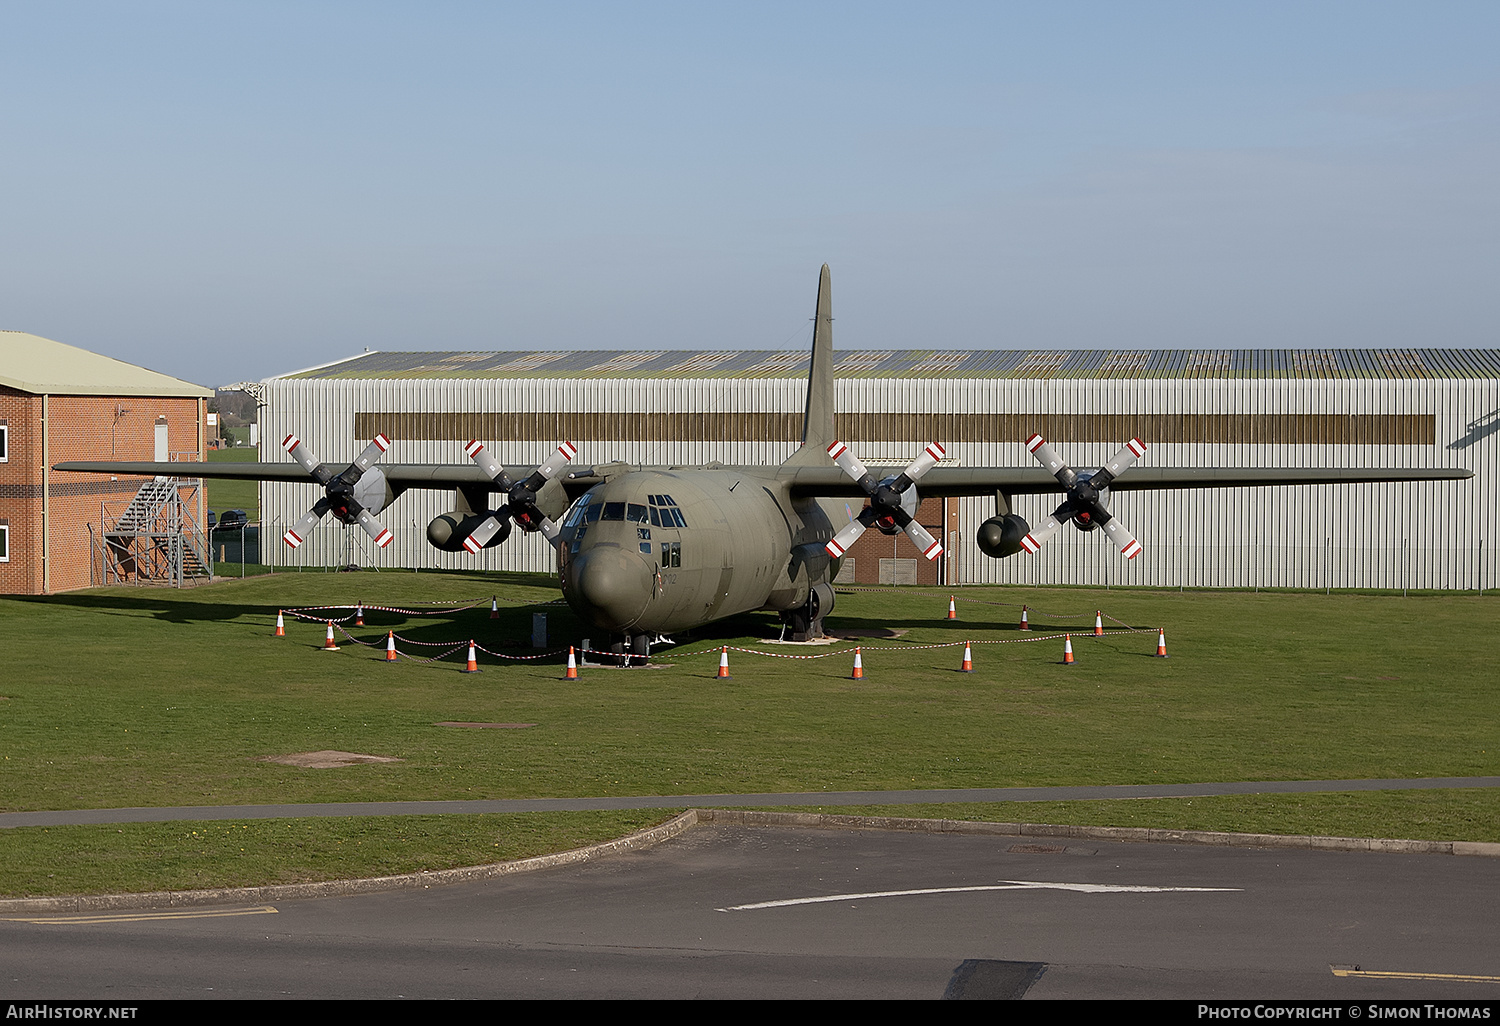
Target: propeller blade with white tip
(839, 543)
(377, 447)
(298, 532)
(849, 464)
(925, 542)
(559, 459)
(1045, 529)
(482, 535)
(303, 454)
(1123, 539)
(1047, 457)
(919, 466)
(1120, 462)
(476, 451)
(374, 528)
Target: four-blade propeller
(1085, 504)
(521, 498)
(893, 502)
(339, 491)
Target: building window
(4, 442)
(4, 541)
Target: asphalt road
(743, 912)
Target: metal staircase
(154, 539)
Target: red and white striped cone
(724, 664)
(968, 666)
(494, 607)
(572, 665)
(359, 615)
(473, 666)
(1161, 643)
(390, 646)
(328, 645)
(1098, 623)
(1068, 650)
(280, 625)
(952, 609)
(1025, 626)
(859, 668)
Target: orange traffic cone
(1098, 623)
(280, 625)
(473, 666)
(359, 615)
(859, 668)
(494, 607)
(1161, 643)
(1067, 650)
(328, 645)
(572, 665)
(724, 664)
(1024, 625)
(390, 646)
(952, 609)
(968, 666)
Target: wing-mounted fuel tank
(1001, 536)
(448, 531)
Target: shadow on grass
(224, 601)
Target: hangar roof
(40, 366)
(921, 363)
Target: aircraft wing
(951, 481)
(400, 475)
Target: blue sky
(226, 191)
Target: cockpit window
(614, 511)
(668, 515)
(635, 513)
(591, 515)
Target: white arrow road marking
(1006, 885)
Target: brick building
(57, 403)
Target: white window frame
(4, 541)
(4, 441)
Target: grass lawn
(128, 697)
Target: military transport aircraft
(650, 551)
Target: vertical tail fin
(817, 424)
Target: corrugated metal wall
(1425, 535)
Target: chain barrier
(450, 647)
(982, 602)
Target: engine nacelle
(999, 537)
(448, 530)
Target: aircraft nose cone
(612, 585)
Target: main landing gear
(630, 651)
(806, 621)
